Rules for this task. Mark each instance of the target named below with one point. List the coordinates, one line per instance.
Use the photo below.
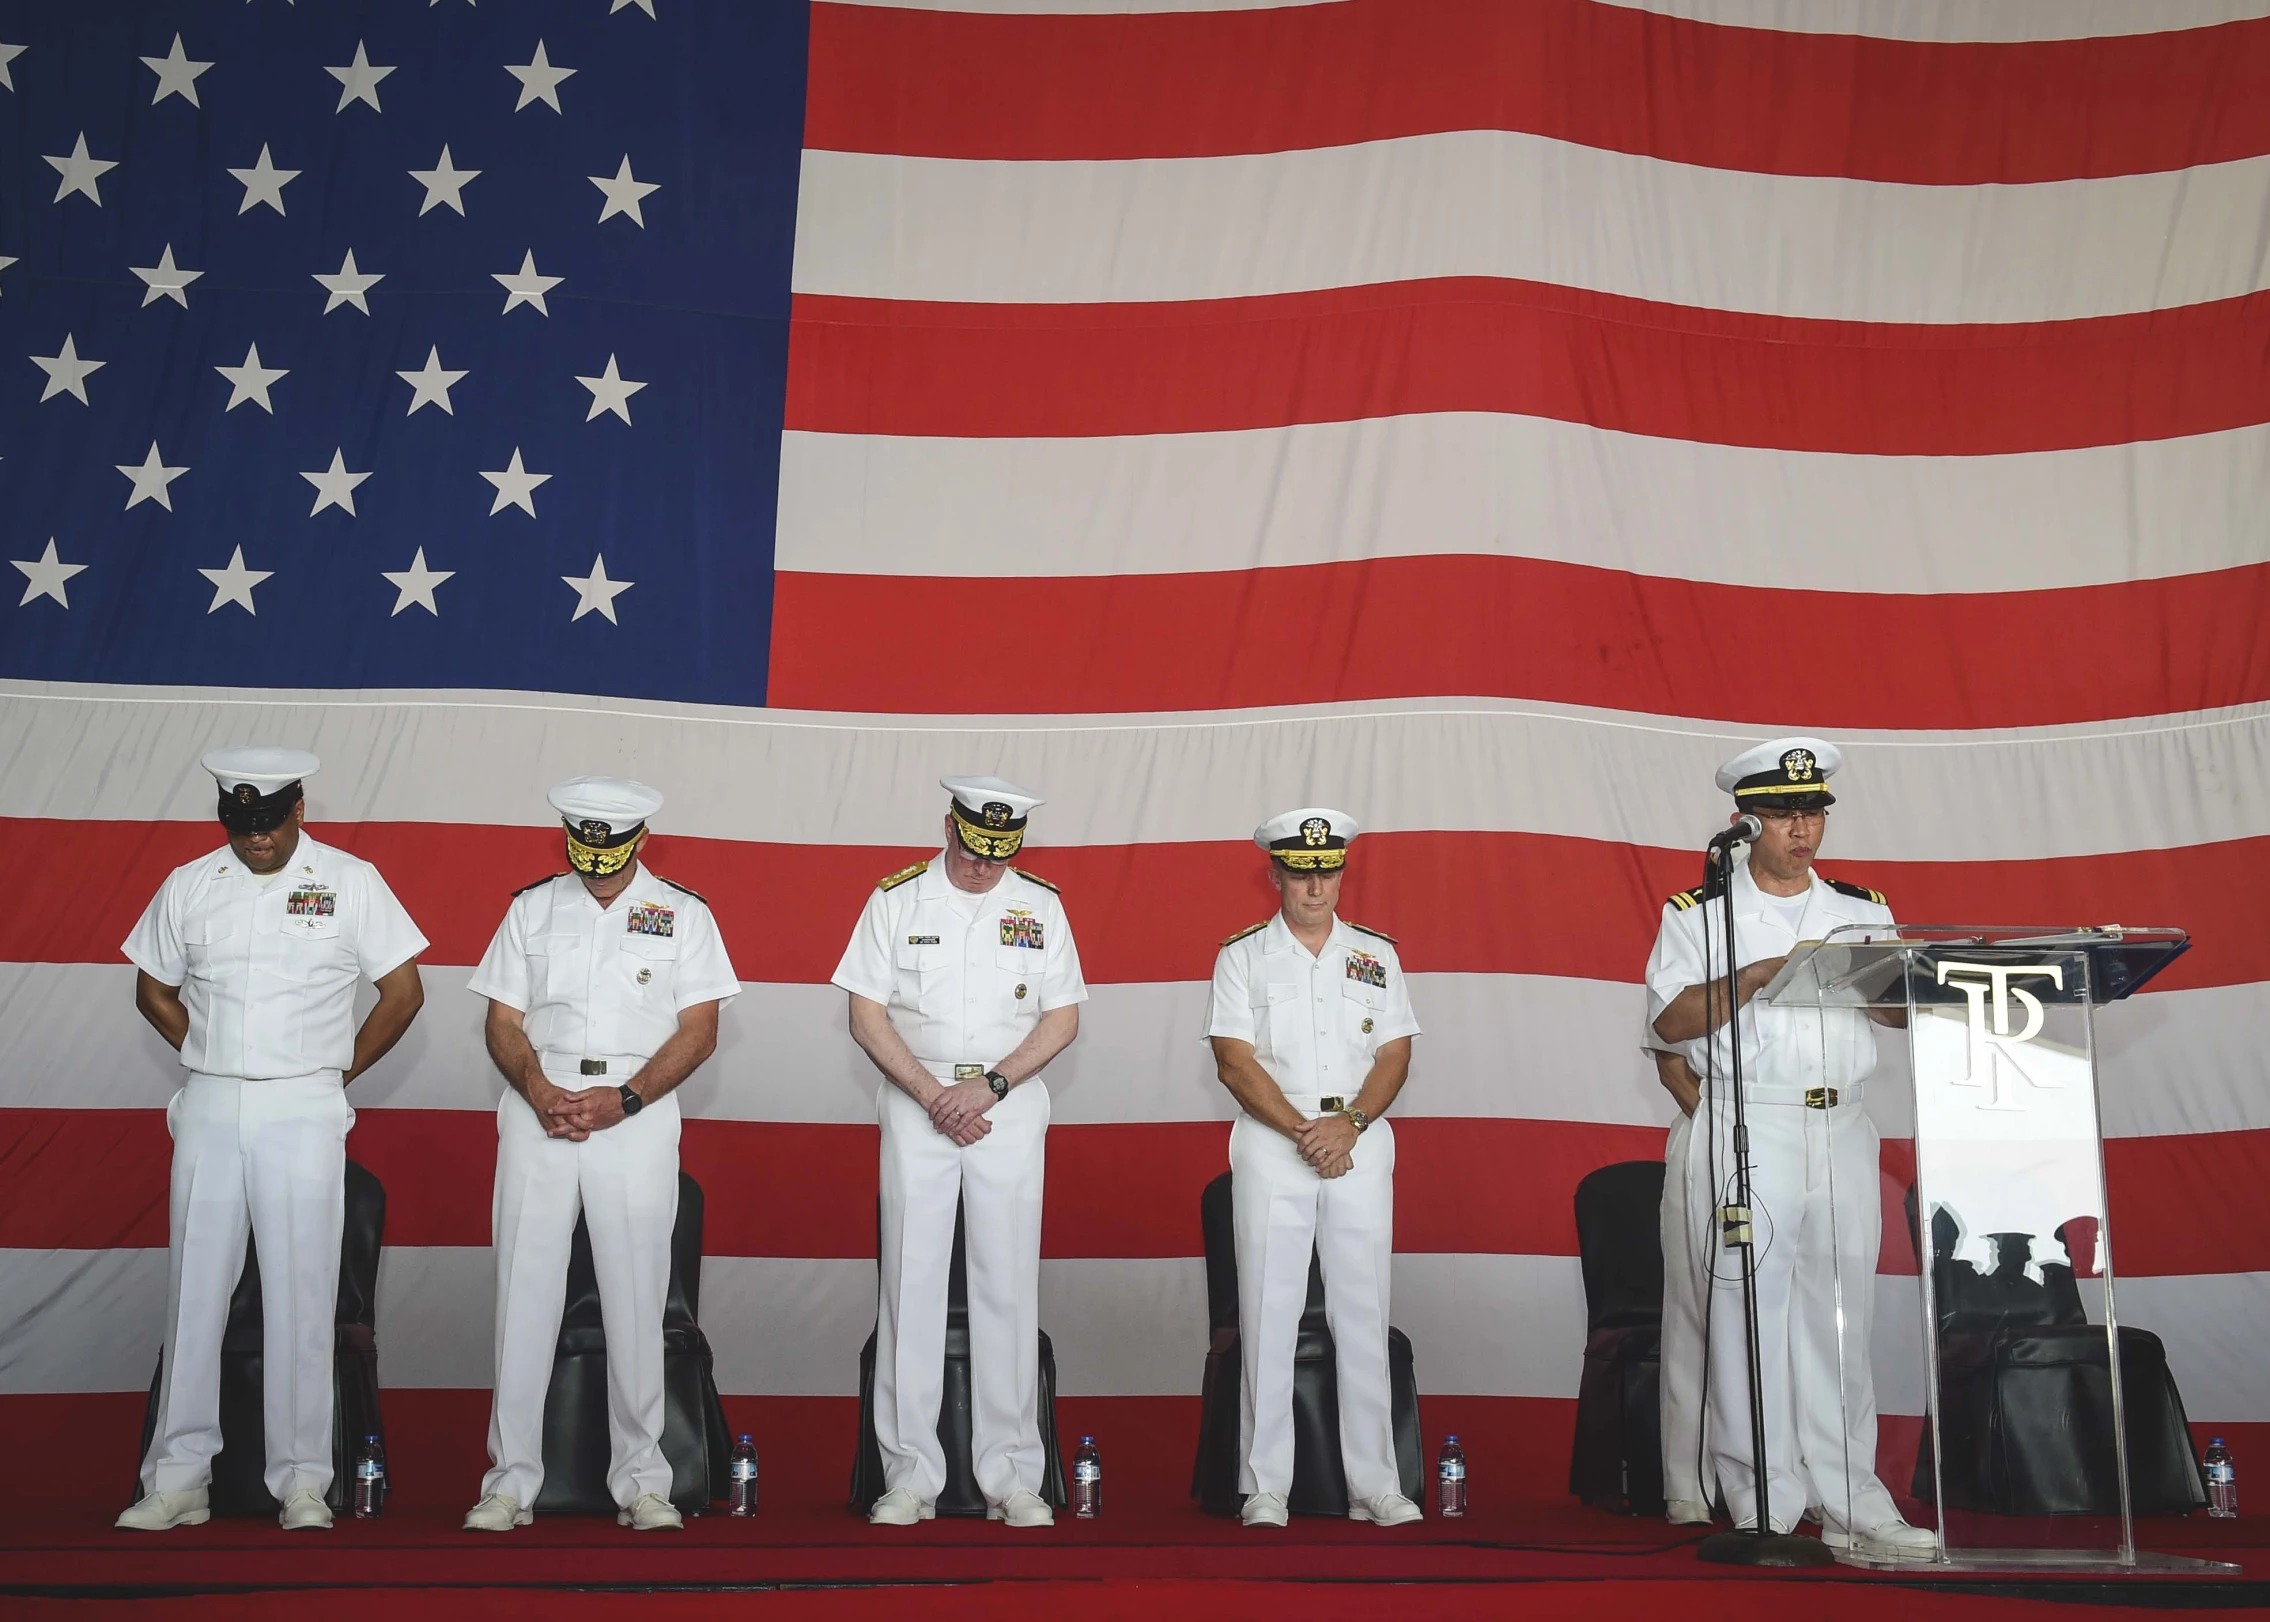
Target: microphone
(1743, 830)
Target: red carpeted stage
(1526, 1545)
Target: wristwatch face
(998, 1082)
(632, 1103)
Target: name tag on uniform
(312, 901)
(1368, 970)
(647, 919)
(922, 940)
(1020, 928)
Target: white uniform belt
(616, 1067)
(1313, 1104)
(954, 1069)
(1815, 1097)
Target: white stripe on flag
(1507, 486)
(1503, 203)
(1945, 21)
(1511, 1046)
(120, 753)
(1481, 1325)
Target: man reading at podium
(1815, 1209)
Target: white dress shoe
(304, 1511)
(1388, 1509)
(499, 1512)
(1686, 1512)
(1892, 1540)
(651, 1512)
(162, 1511)
(1263, 1509)
(1022, 1508)
(899, 1507)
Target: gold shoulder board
(1035, 878)
(1686, 898)
(1366, 929)
(685, 890)
(902, 875)
(539, 884)
(1250, 929)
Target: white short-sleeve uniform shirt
(605, 982)
(1781, 1047)
(964, 978)
(268, 964)
(1315, 1020)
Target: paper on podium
(1850, 973)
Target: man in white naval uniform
(604, 986)
(1815, 1200)
(247, 962)
(1311, 1025)
(964, 983)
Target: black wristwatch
(998, 1082)
(632, 1103)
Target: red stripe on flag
(96, 1179)
(933, 83)
(1458, 902)
(880, 366)
(1552, 632)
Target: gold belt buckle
(969, 1072)
(1331, 1102)
(1820, 1098)
(594, 1067)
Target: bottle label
(1454, 1472)
(2221, 1474)
(744, 1470)
(1087, 1472)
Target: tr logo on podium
(1991, 1049)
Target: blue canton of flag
(395, 344)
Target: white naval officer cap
(1313, 839)
(604, 816)
(260, 783)
(990, 814)
(1786, 774)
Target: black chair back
(1619, 1239)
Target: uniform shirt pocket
(651, 963)
(200, 938)
(1360, 1007)
(1276, 1016)
(921, 973)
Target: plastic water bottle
(742, 1496)
(370, 1480)
(1087, 1481)
(2222, 1482)
(1450, 1480)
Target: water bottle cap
(1452, 1437)
(370, 1438)
(1085, 1440)
(2217, 1442)
(744, 1438)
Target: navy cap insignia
(1315, 831)
(246, 793)
(1798, 765)
(594, 832)
(996, 814)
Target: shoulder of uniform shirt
(1858, 892)
(1687, 899)
(892, 881)
(1249, 929)
(539, 884)
(1035, 878)
(682, 889)
(1366, 929)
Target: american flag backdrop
(1483, 416)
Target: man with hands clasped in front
(964, 983)
(1311, 1027)
(604, 986)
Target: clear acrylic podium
(1984, 1059)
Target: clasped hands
(1328, 1144)
(576, 1115)
(958, 1110)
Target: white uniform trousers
(269, 1157)
(1816, 1216)
(624, 1182)
(1681, 1385)
(1282, 1211)
(998, 1180)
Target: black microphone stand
(1761, 1545)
